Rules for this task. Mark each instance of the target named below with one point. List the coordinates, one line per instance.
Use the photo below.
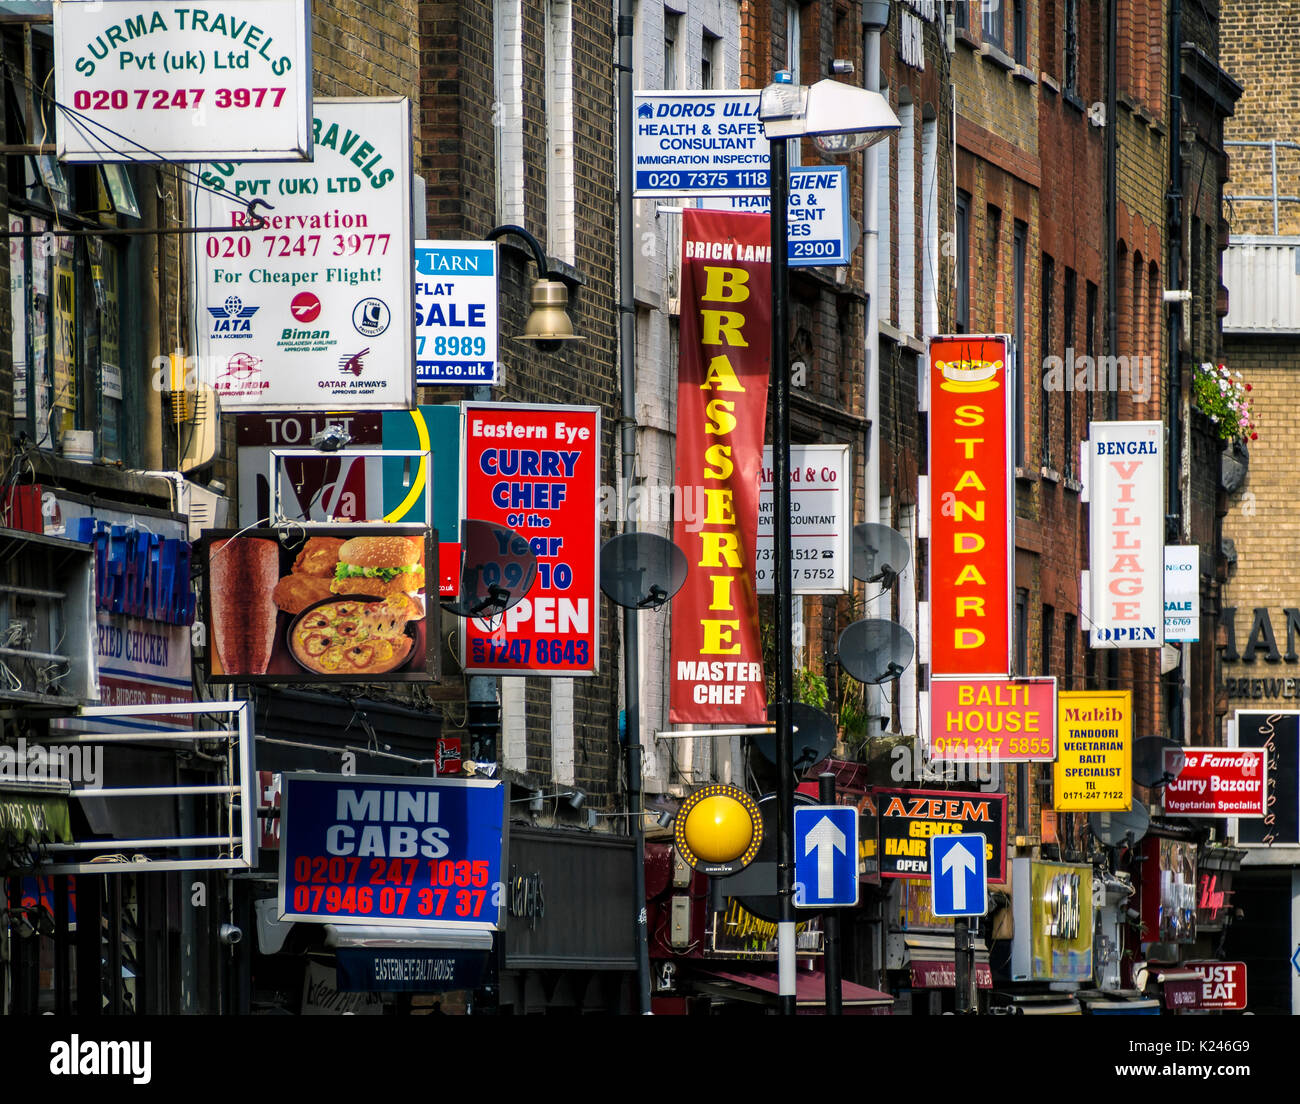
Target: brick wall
(1262, 523)
(458, 158)
(1258, 39)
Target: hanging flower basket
(1224, 397)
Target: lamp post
(840, 119)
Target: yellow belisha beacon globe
(719, 829)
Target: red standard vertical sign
(971, 543)
(533, 469)
(726, 340)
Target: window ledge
(1050, 474)
(966, 39)
(1024, 74)
(1026, 475)
(894, 334)
(1072, 484)
(1074, 101)
(997, 56)
(1049, 83)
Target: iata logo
(231, 319)
(354, 363)
(305, 307)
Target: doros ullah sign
(168, 82)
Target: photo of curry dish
(354, 636)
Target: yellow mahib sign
(1094, 763)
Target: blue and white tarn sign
(825, 856)
(698, 143)
(456, 320)
(366, 850)
(959, 884)
(817, 214)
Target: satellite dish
(812, 741)
(1114, 829)
(755, 886)
(875, 650)
(497, 569)
(641, 570)
(879, 553)
(1150, 766)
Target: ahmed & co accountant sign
(971, 505)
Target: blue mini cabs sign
(373, 850)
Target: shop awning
(1118, 1003)
(31, 817)
(1041, 1004)
(372, 958)
(933, 963)
(809, 992)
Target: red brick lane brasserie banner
(726, 339)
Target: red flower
(1248, 387)
(1254, 436)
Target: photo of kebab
(242, 575)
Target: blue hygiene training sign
(367, 850)
(817, 215)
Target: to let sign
(1217, 782)
(154, 81)
(996, 720)
(418, 851)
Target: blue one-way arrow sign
(958, 876)
(825, 856)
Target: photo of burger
(380, 566)
(344, 607)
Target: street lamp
(840, 119)
(548, 324)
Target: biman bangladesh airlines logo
(232, 318)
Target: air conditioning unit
(205, 508)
